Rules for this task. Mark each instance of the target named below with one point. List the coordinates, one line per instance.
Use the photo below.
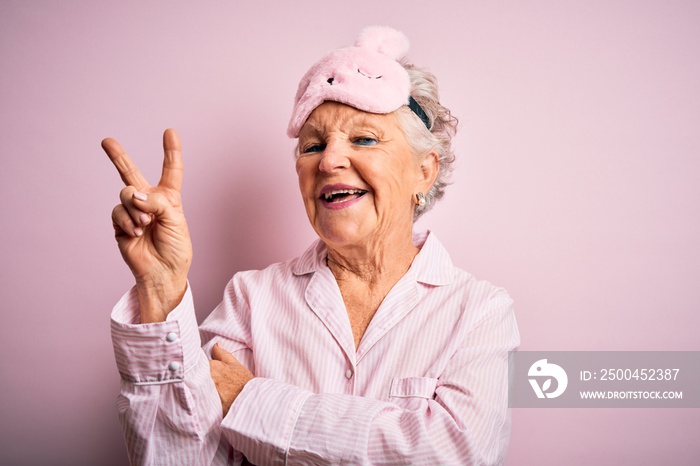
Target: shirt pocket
(412, 393)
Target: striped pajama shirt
(426, 385)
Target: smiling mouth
(342, 195)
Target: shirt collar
(431, 266)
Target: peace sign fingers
(129, 172)
(151, 230)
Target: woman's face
(358, 175)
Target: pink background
(579, 154)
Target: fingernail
(138, 231)
(145, 219)
(140, 196)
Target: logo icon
(551, 371)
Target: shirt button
(173, 366)
(171, 337)
(348, 374)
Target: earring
(420, 199)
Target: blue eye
(314, 148)
(365, 141)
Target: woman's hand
(229, 376)
(151, 230)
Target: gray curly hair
(443, 127)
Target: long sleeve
(168, 407)
(461, 417)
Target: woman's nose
(334, 157)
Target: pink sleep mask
(366, 76)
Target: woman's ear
(429, 169)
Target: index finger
(129, 172)
(172, 161)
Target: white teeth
(330, 194)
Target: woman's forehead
(335, 116)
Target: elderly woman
(371, 347)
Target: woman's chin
(340, 233)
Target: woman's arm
(168, 403)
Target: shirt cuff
(159, 352)
(261, 420)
